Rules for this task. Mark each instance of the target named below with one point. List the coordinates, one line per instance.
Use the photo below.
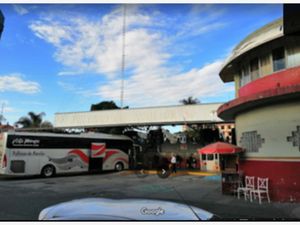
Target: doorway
(95, 164)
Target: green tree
(34, 120)
(193, 130)
(189, 101)
(106, 105)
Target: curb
(153, 172)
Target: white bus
(49, 154)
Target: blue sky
(63, 58)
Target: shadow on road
(14, 178)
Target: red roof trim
(285, 83)
(257, 97)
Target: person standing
(178, 160)
(190, 161)
(194, 161)
(173, 163)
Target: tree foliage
(104, 106)
(189, 101)
(107, 105)
(34, 120)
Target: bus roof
(82, 135)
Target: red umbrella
(220, 148)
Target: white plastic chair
(247, 189)
(262, 189)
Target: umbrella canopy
(220, 148)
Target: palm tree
(34, 120)
(189, 101)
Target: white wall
(145, 116)
(274, 123)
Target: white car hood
(123, 209)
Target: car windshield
(113, 111)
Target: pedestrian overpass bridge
(168, 115)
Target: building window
(245, 75)
(293, 56)
(229, 127)
(278, 59)
(254, 69)
(265, 65)
(240, 79)
(222, 127)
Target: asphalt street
(24, 198)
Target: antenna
(123, 56)
(1, 115)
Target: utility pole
(1, 115)
(123, 57)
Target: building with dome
(265, 68)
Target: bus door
(97, 153)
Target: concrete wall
(274, 124)
(276, 148)
(140, 116)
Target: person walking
(173, 163)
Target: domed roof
(261, 36)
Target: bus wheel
(48, 171)
(119, 166)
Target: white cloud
(95, 46)
(33, 103)
(21, 10)
(66, 86)
(69, 87)
(156, 88)
(69, 73)
(54, 33)
(7, 111)
(16, 83)
(201, 19)
(4, 105)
